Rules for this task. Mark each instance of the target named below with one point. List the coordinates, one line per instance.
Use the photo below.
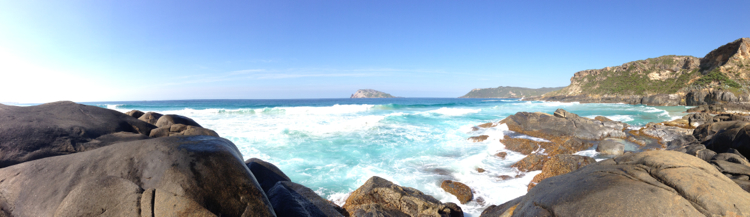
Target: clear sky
(161, 50)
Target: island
(370, 93)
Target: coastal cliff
(508, 92)
(665, 80)
(370, 93)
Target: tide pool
(334, 145)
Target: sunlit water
(334, 145)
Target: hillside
(508, 92)
(370, 93)
(726, 68)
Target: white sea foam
(454, 111)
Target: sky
(167, 50)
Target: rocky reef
(370, 93)
(694, 166)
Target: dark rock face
(561, 164)
(723, 136)
(28, 133)
(676, 184)
(293, 200)
(460, 190)
(200, 175)
(266, 173)
(380, 196)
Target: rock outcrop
(677, 184)
(370, 93)
(561, 164)
(380, 197)
(59, 128)
(171, 175)
(665, 81)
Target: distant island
(370, 93)
(508, 92)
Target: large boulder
(181, 130)
(378, 195)
(651, 183)
(34, 132)
(728, 135)
(295, 200)
(700, 118)
(167, 120)
(266, 173)
(150, 117)
(561, 164)
(200, 175)
(610, 146)
(135, 113)
(531, 162)
(458, 189)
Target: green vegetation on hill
(508, 92)
(631, 82)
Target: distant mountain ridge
(508, 92)
(370, 93)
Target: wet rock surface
(380, 196)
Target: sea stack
(370, 93)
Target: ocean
(334, 145)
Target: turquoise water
(334, 145)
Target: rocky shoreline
(68, 159)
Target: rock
(611, 146)
(561, 164)
(504, 210)
(478, 138)
(681, 123)
(292, 199)
(564, 124)
(732, 158)
(661, 100)
(266, 173)
(134, 113)
(480, 170)
(487, 125)
(59, 128)
(181, 130)
(167, 120)
(505, 177)
(706, 132)
(460, 190)
(676, 184)
(199, 175)
(665, 134)
(150, 117)
(530, 163)
(735, 135)
(502, 154)
(558, 145)
(697, 119)
(378, 195)
(603, 119)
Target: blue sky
(146, 50)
